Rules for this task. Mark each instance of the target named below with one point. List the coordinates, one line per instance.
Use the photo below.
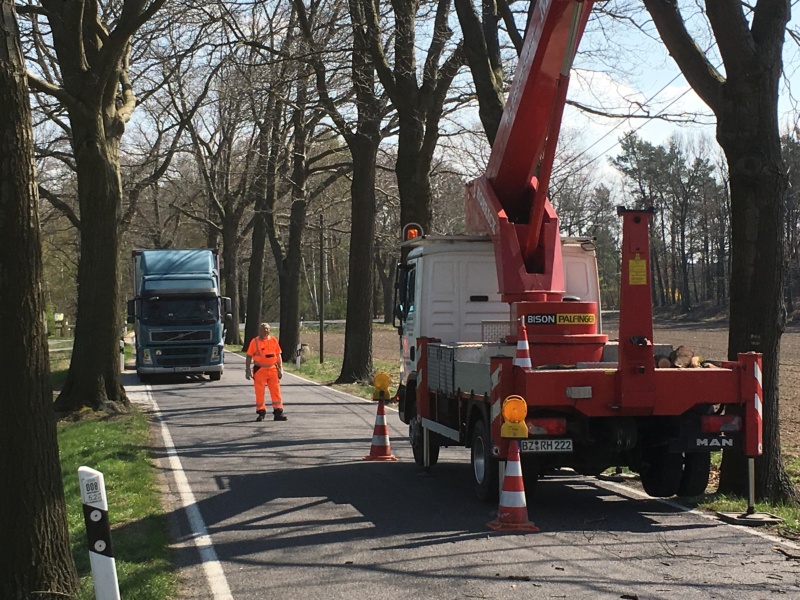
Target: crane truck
(178, 314)
(501, 333)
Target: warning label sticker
(637, 271)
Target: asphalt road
(291, 511)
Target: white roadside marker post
(98, 532)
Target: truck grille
(187, 351)
(181, 361)
(180, 336)
(182, 357)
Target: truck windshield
(183, 311)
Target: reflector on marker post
(98, 534)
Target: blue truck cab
(178, 314)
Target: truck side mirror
(228, 318)
(131, 311)
(226, 306)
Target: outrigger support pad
(751, 518)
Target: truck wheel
(696, 471)
(484, 466)
(215, 375)
(417, 437)
(662, 476)
(408, 402)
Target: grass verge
(117, 446)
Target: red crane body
(591, 403)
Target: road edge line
(215, 575)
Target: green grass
(118, 447)
(59, 365)
(329, 370)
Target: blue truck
(178, 314)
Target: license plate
(545, 446)
(182, 369)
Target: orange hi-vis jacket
(265, 353)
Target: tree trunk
(291, 273)
(757, 313)
(484, 64)
(291, 279)
(357, 360)
(255, 274)
(386, 265)
(413, 172)
(759, 188)
(93, 378)
(36, 559)
(230, 273)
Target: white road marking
(217, 582)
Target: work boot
(278, 415)
(261, 415)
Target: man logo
(714, 442)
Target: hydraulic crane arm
(510, 200)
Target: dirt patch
(708, 340)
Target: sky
(637, 67)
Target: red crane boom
(510, 201)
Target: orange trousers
(267, 377)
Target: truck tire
(485, 471)
(662, 476)
(215, 375)
(416, 436)
(408, 400)
(696, 472)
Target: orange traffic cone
(513, 512)
(523, 356)
(380, 449)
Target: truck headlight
(146, 358)
(215, 353)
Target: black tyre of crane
(663, 472)
(696, 473)
(485, 469)
(416, 436)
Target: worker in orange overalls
(264, 353)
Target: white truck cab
(447, 289)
